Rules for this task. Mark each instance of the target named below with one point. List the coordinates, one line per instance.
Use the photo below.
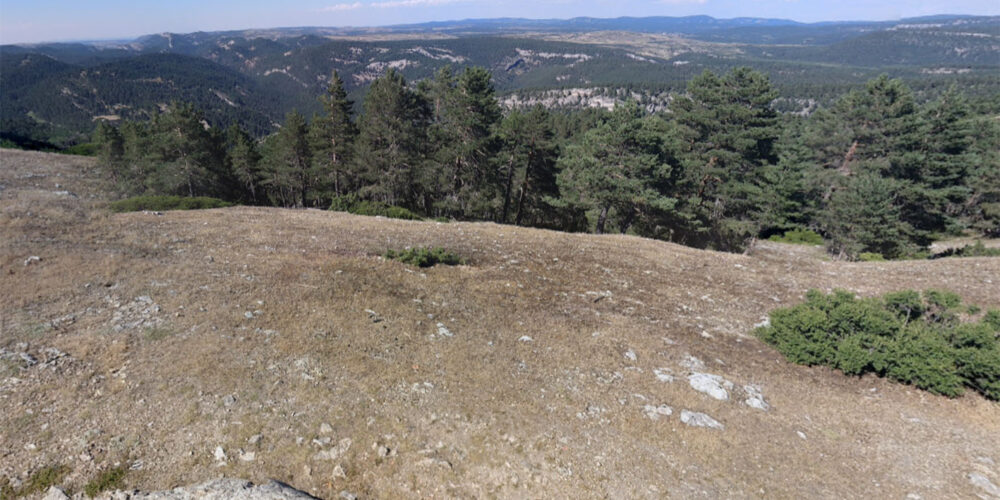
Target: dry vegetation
(664, 46)
(283, 337)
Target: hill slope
(266, 343)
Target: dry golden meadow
(264, 343)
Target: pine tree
(945, 133)
(729, 133)
(617, 169)
(864, 216)
(244, 163)
(981, 211)
(111, 155)
(286, 163)
(331, 139)
(465, 114)
(528, 158)
(185, 158)
(392, 141)
(137, 169)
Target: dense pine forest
(875, 173)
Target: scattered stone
(31, 260)
(28, 359)
(336, 452)
(755, 398)
(338, 472)
(764, 323)
(713, 385)
(663, 374)
(140, 313)
(383, 451)
(655, 412)
(695, 419)
(347, 495)
(525, 338)
(630, 355)
(220, 454)
(254, 439)
(692, 363)
(372, 315)
(434, 462)
(234, 489)
(593, 411)
(62, 322)
(325, 428)
(801, 434)
(55, 493)
(229, 400)
(982, 482)
(248, 315)
(444, 331)
(247, 456)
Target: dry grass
(664, 46)
(478, 414)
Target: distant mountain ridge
(254, 76)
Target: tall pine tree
(287, 163)
(729, 133)
(391, 144)
(528, 167)
(184, 158)
(465, 114)
(617, 170)
(331, 140)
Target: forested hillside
(54, 93)
(876, 173)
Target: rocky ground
(256, 344)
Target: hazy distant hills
(253, 77)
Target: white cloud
(387, 4)
(343, 6)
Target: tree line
(874, 172)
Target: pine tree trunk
(506, 193)
(627, 221)
(602, 219)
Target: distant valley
(54, 93)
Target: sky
(29, 21)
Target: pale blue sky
(24, 21)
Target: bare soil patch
(263, 343)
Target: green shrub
(164, 203)
(351, 204)
(992, 318)
(82, 149)
(871, 257)
(43, 479)
(425, 257)
(108, 479)
(914, 338)
(344, 203)
(798, 237)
